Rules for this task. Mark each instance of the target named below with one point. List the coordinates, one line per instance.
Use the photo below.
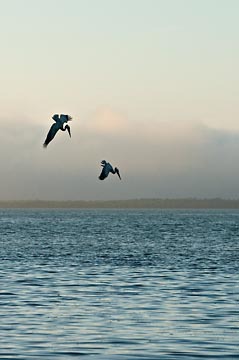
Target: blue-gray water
(119, 284)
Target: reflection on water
(115, 284)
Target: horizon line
(150, 203)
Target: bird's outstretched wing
(52, 132)
(55, 117)
(104, 173)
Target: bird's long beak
(69, 130)
(117, 172)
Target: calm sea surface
(119, 284)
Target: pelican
(107, 168)
(58, 125)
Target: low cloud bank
(157, 159)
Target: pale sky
(152, 86)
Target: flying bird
(58, 125)
(107, 168)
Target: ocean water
(119, 284)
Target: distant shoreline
(188, 203)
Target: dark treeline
(188, 203)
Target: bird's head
(103, 162)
